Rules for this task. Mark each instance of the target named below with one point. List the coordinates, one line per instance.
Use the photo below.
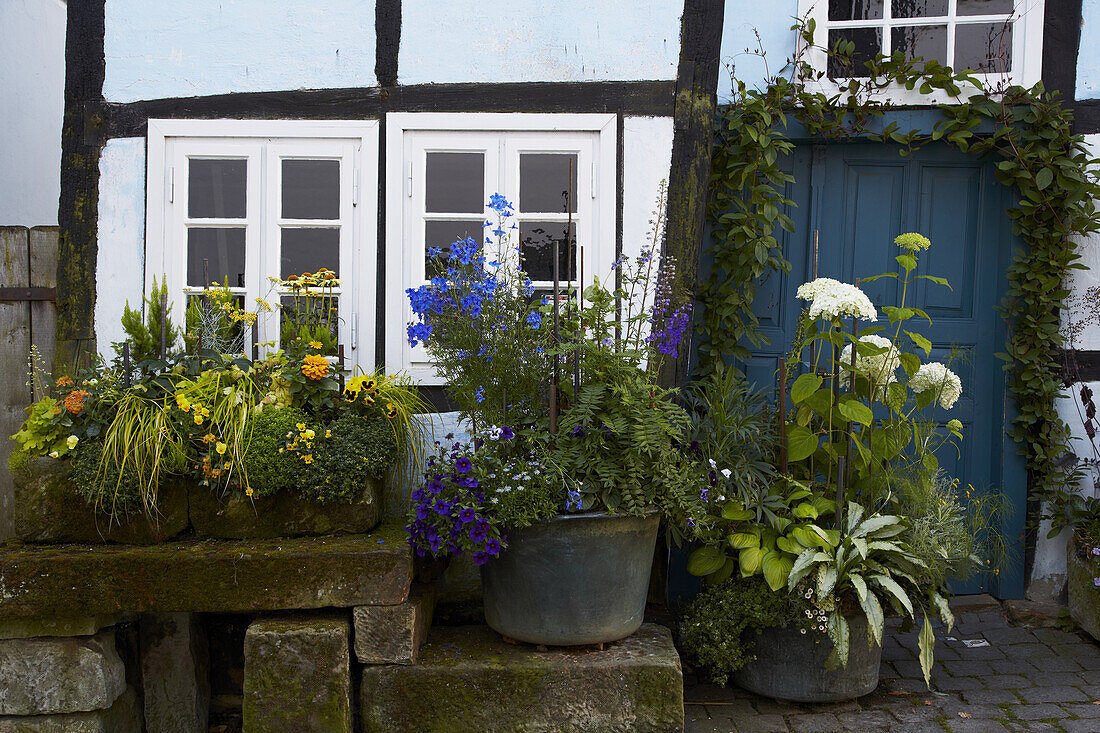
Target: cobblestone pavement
(1025, 679)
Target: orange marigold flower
(74, 401)
(315, 366)
(65, 381)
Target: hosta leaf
(786, 544)
(723, 574)
(743, 540)
(777, 568)
(749, 560)
(806, 510)
(705, 561)
(733, 511)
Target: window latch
(409, 181)
(355, 189)
(354, 331)
(171, 184)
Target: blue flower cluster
(666, 337)
(448, 517)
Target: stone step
(213, 575)
(468, 679)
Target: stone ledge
(393, 634)
(212, 575)
(122, 717)
(60, 675)
(468, 679)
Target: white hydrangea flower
(833, 299)
(934, 376)
(879, 367)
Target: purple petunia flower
(507, 434)
(492, 546)
(443, 508)
(479, 532)
(480, 557)
(578, 432)
(463, 465)
(467, 515)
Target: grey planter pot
(1084, 596)
(790, 665)
(577, 579)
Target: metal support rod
(163, 325)
(783, 416)
(841, 467)
(340, 361)
(256, 340)
(126, 364)
(813, 276)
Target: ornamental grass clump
(858, 507)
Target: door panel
(860, 197)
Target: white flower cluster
(880, 368)
(833, 299)
(934, 376)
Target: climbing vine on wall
(1027, 130)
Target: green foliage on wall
(1028, 131)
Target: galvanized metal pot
(577, 579)
(790, 665)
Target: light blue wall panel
(1088, 60)
(198, 47)
(743, 20)
(538, 40)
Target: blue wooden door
(859, 197)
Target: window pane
(926, 41)
(855, 9)
(441, 234)
(537, 249)
(308, 250)
(868, 44)
(545, 183)
(918, 8)
(223, 250)
(216, 188)
(206, 319)
(455, 183)
(984, 47)
(984, 7)
(311, 189)
(312, 319)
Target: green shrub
(268, 470)
(719, 624)
(108, 490)
(359, 449)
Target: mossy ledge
(211, 575)
(467, 678)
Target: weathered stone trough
(109, 635)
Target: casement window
(557, 170)
(250, 202)
(999, 40)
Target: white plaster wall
(1049, 570)
(647, 160)
(743, 20)
(120, 263)
(538, 40)
(199, 47)
(32, 89)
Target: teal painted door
(859, 197)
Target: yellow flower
(227, 465)
(248, 492)
(198, 418)
(72, 441)
(308, 458)
(221, 448)
(309, 434)
(300, 426)
(328, 433)
(209, 438)
(391, 411)
(315, 344)
(315, 366)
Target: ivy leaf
(804, 386)
(1043, 178)
(801, 443)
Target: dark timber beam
(696, 93)
(648, 98)
(79, 202)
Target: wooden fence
(28, 273)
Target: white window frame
(263, 143)
(404, 257)
(1027, 48)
